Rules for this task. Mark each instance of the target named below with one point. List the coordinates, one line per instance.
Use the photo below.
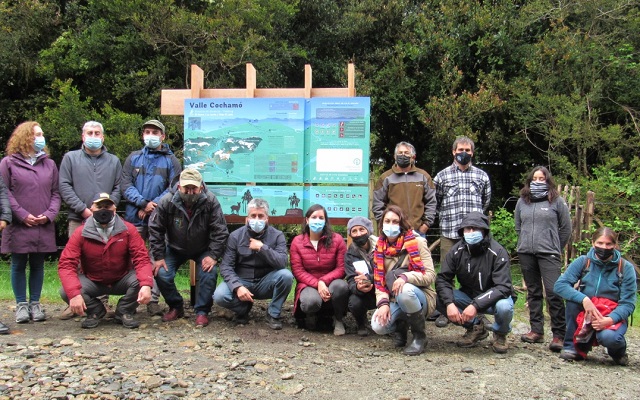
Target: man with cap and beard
(254, 266)
(114, 260)
(358, 267)
(187, 224)
(146, 177)
(482, 267)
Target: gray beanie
(359, 221)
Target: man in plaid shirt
(460, 189)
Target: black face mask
(602, 253)
(360, 241)
(103, 217)
(463, 158)
(189, 199)
(403, 161)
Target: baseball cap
(190, 177)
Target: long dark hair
(327, 231)
(525, 192)
(605, 231)
(405, 226)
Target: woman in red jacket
(317, 263)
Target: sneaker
(433, 316)
(173, 314)
(67, 314)
(499, 344)
(22, 313)
(556, 344)
(473, 335)
(273, 322)
(202, 320)
(4, 330)
(154, 309)
(570, 356)
(36, 311)
(532, 337)
(622, 360)
(442, 321)
(93, 320)
(127, 321)
(243, 319)
(338, 327)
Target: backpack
(585, 271)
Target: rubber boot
(400, 335)
(419, 340)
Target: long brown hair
(525, 192)
(21, 140)
(405, 226)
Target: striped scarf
(384, 250)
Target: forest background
(552, 83)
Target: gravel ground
(59, 360)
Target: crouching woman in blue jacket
(598, 307)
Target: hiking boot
(570, 356)
(36, 311)
(488, 325)
(621, 360)
(273, 322)
(362, 330)
(442, 321)
(127, 321)
(66, 314)
(556, 344)
(419, 340)
(532, 337)
(473, 335)
(154, 309)
(311, 322)
(400, 334)
(93, 320)
(22, 313)
(433, 316)
(173, 314)
(499, 344)
(4, 330)
(338, 327)
(202, 320)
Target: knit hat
(360, 221)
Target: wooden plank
(172, 101)
(351, 80)
(223, 94)
(283, 92)
(251, 80)
(197, 81)
(307, 81)
(240, 219)
(330, 92)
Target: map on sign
(245, 140)
(337, 135)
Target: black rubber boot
(400, 335)
(419, 340)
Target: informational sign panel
(283, 200)
(245, 140)
(339, 201)
(337, 139)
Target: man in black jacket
(187, 224)
(483, 270)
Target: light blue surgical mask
(391, 230)
(257, 225)
(39, 143)
(473, 237)
(152, 141)
(316, 225)
(92, 143)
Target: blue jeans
(276, 286)
(19, 276)
(502, 310)
(613, 340)
(410, 301)
(206, 281)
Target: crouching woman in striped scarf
(403, 279)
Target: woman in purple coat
(31, 178)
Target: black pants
(128, 287)
(360, 303)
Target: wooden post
(588, 210)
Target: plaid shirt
(458, 193)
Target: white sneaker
(338, 327)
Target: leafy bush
(503, 229)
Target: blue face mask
(257, 225)
(39, 143)
(92, 143)
(316, 225)
(390, 230)
(152, 141)
(473, 237)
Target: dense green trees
(534, 82)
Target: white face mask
(257, 225)
(391, 230)
(152, 141)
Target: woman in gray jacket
(544, 228)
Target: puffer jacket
(483, 269)
(204, 230)
(146, 176)
(309, 266)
